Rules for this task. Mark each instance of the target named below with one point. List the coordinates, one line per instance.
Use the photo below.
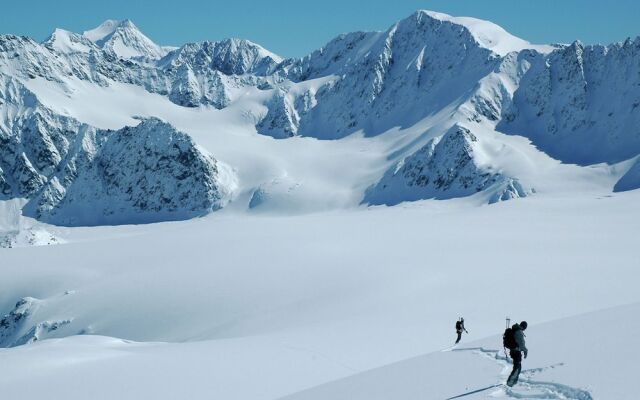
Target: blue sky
(294, 28)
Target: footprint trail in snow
(527, 387)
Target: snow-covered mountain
(556, 95)
(409, 90)
(76, 174)
(124, 39)
(417, 67)
(229, 56)
(210, 72)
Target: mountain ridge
(427, 69)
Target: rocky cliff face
(210, 72)
(282, 119)
(446, 167)
(33, 140)
(229, 56)
(581, 104)
(146, 173)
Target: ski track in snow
(527, 388)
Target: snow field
(337, 294)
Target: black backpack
(509, 339)
(458, 326)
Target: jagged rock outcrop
(211, 87)
(444, 168)
(12, 323)
(33, 141)
(210, 72)
(5, 187)
(147, 173)
(229, 56)
(282, 120)
(18, 326)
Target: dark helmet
(523, 325)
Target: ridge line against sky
(293, 28)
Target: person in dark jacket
(517, 352)
(459, 329)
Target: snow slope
(582, 368)
(338, 293)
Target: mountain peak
(103, 30)
(486, 33)
(125, 39)
(67, 42)
(230, 56)
(236, 44)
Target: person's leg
(516, 356)
(517, 367)
(459, 337)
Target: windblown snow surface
(339, 236)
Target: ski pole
(508, 323)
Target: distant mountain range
(465, 85)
